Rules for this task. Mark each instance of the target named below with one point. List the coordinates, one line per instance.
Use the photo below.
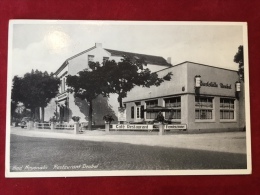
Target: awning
(159, 109)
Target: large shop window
(150, 104)
(203, 108)
(175, 105)
(227, 108)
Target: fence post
(52, 126)
(107, 127)
(36, 125)
(161, 129)
(30, 125)
(76, 128)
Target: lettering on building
(214, 84)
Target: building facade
(216, 105)
(64, 106)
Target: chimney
(98, 44)
(169, 60)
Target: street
(49, 154)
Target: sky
(45, 45)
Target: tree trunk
(120, 105)
(37, 114)
(120, 101)
(42, 113)
(90, 115)
(32, 113)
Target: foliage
(108, 118)
(239, 58)
(160, 117)
(125, 75)
(89, 84)
(76, 118)
(35, 89)
(112, 77)
(53, 119)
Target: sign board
(132, 127)
(179, 126)
(121, 114)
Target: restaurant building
(200, 96)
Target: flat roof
(197, 64)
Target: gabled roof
(149, 59)
(67, 60)
(157, 60)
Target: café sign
(132, 127)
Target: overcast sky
(46, 45)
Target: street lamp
(197, 81)
(238, 88)
(197, 84)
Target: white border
(135, 172)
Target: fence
(132, 127)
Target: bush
(76, 118)
(108, 118)
(53, 119)
(160, 117)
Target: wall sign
(121, 114)
(180, 126)
(132, 127)
(214, 84)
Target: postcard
(127, 98)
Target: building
(65, 105)
(213, 103)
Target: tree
(111, 77)
(35, 89)
(88, 85)
(125, 75)
(239, 58)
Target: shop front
(203, 97)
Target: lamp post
(197, 84)
(238, 88)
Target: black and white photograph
(126, 98)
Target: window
(138, 112)
(132, 112)
(64, 84)
(203, 108)
(175, 105)
(227, 108)
(90, 58)
(105, 59)
(61, 86)
(150, 104)
(142, 111)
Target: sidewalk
(233, 142)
